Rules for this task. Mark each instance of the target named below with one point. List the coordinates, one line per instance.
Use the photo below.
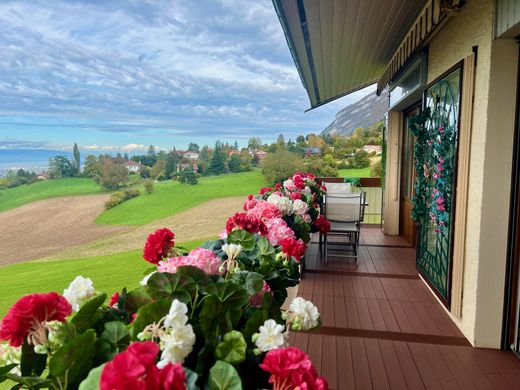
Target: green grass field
(361, 172)
(109, 273)
(18, 196)
(170, 198)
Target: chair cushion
(338, 188)
(344, 227)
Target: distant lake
(36, 160)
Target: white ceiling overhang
(341, 46)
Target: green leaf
(74, 359)
(116, 333)
(32, 363)
(223, 376)
(222, 308)
(148, 314)
(86, 316)
(254, 283)
(32, 382)
(5, 370)
(246, 239)
(265, 249)
(194, 274)
(232, 348)
(165, 285)
(91, 382)
(135, 299)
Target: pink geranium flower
(201, 258)
(277, 230)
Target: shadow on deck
(383, 329)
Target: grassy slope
(361, 172)
(109, 273)
(18, 196)
(172, 197)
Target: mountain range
(364, 113)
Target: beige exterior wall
(490, 163)
(392, 178)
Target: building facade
(459, 60)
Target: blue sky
(121, 75)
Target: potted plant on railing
(208, 318)
(354, 182)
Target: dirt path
(200, 222)
(45, 227)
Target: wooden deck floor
(383, 329)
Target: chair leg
(325, 243)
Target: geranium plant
(208, 318)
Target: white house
(191, 155)
(372, 149)
(132, 166)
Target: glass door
(435, 183)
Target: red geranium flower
(158, 245)
(299, 182)
(292, 247)
(277, 186)
(295, 195)
(135, 369)
(114, 299)
(291, 368)
(264, 190)
(246, 222)
(26, 316)
(322, 224)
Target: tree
(148, 186)
(193, 147)
(92, 167)
(125, 156)
(61, 166)
(171, 164)
(158, 170)
(205, 154)
(300, 139)
(280, 165)
(76, 154)
(254, 144)
(113, 175)
(280, 141)
(234, 163)
(218, 160)
(235, 145)
(187, 176)
(360, 160)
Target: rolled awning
(341, 46)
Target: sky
(121, 75)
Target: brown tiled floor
(382, 328)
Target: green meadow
(27, 193)
(109, 273)
(171, 197)
(361, 172)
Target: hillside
(364, 113)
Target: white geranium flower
(176, 345)
(11, 355)
(177, 315)
(306, 315)
(270, 336)
(79, 290)
(232, 250)
(283, 203)
(299, 206)
(145, 279)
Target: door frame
(405, 112)
(512, 286)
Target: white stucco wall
(490, 163)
